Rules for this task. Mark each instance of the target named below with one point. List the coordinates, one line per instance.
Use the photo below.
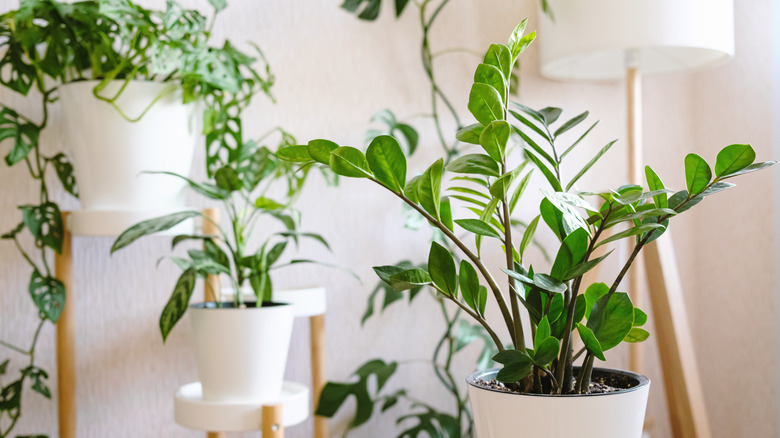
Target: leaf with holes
(48, 294)
(45, 224)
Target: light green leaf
(633, 231)
(494, 139)
(571, 123)
(654, 183)
(548, 174)
(387, 161)
(429, 188)
(350, 162)
(297, 154)
(477, 164)
(697, 174)
(519, 190)
(542, 332)
(752, 168)
(490, 75)
(592, 294)
(580, 269)
(589, 164)
(470, 134)
(500, 187)
(445, 208)
(409, 279)
(571, 252)
(479, 227)
(151, 226)
(485, 103)
(640, 317)
(734, 158)
(548, 283)
(528, 235)
(320, 150)
(499, 56)
(636, 334)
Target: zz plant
(557, 303)
(46, 44)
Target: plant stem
(517, 334)
(482, 269)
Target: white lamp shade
(591, 39)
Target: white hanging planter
(242, 352)
(499, 414)
(111, 153)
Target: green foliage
(554, 301)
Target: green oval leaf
(475, 164)
(490, 75)
(429, 188)
(387, 161)
(409, 279)
(494, 139)
(441, 267)
(470, 134)
(296, 154)
(611, 319)
(469, 284)
(734, 158)
(478, 227)
(350, 162)
(546, 352)
(697, 174)
(485, 103)
(590, 341)
(499, 56)
(320, 150)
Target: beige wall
(333, 73)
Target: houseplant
(241, 345)
(49, 46)
(159, 73)
(538, 385)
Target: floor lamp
(615, 39)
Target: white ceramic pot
(241, 353)
(110, 153)
(500, 414)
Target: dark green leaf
(528, 235)
(590, 341)
(571, 123)
(548, 174)
(227, 179)
(409, 279)
(592, 294)
(48, 294)
(570, 254)
(546, 351)
(469, 284)
(45, 224)
(445, 210)
(177, 304)
(514, 372)
(442, 270)
(64, 170)
(580, 269)
(151, 226)
(548, 283)
(633, 231)
(611, 319)
(479, 227)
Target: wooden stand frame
(66, 348)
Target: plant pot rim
(472, 378)
(228, 305)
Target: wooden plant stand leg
(211, 285)
(318, 370)
(684, 397)
(66, 344)
(272, 421)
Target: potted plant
(135, 89)
(241, 345)
(538, 390)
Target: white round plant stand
(110, 154)
(190, 410)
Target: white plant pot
(110, 153)
(499, 414)
(241, 353)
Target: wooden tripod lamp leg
(211, 285)
(66, 344)
(318, 370)
(684, 396)
(272, 421)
